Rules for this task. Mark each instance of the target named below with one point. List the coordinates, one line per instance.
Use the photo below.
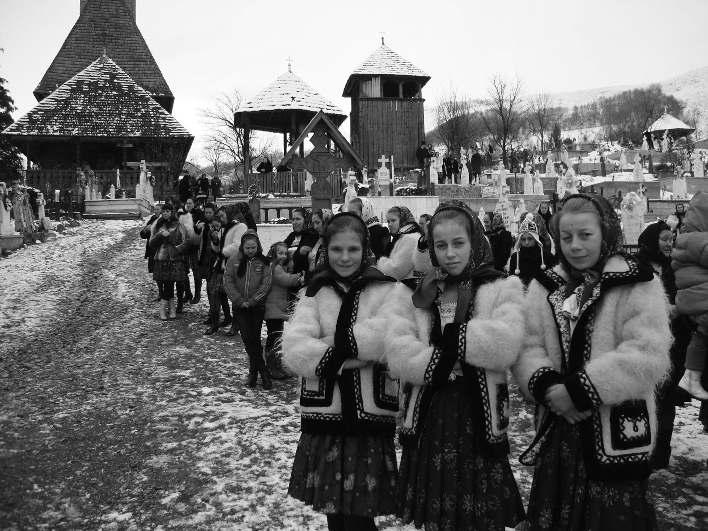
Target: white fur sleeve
(641, 358)
(400, 264)
(534, 356)
(406, 347)
(495, 334)
(303, 348)
(369, 332)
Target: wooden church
(387, 116)
(104, 105)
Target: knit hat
(528, 226)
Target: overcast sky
(207, 47)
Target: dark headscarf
(649, 253)
(479, 269)
(612, 244)
(329, 277)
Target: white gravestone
(623, 160)
(632, 217)
(434, 170)
(383, 176)
(501, 178)
(528, 180)
(679, 188)
(112, 192)
(7, 224)
(638, 171)
(143, 190)
(550, 167)
(698, 170)
(537, 184)
(464, 171)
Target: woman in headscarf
(501, 242)
(451, 345)
(595, 348)
(317, 257)
(379, 235)
(345, 463)
(301, 240)
(655, 246)
(405, 232)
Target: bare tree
(503, 118)
(224, 134)
(454, 127)
(214, 153)
(694, 115)
(541, 115)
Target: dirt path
(110, 418)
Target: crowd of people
(414, 324)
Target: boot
(691, 383)
(275, 366)
(197, 291)
(163, 309)
(252, 379)
(213, 323)
(265, 378)
(173, 308)
(180, 304)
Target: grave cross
(382, 160)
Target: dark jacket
(308, 239)
(145, 235)
(501, 242)
(253, 286)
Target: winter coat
(308, 238)
(619, 354)
(170, 248)
(690, 261)
(399, 263)
(252, 287)
(277, 304)
(145, 234)
(422, 264)
(353, 395)
(486, 345)
(379, 238)
(501, 242)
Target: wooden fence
(289, 183)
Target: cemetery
(119, 414)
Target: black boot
(265, 378)
(227, 313)
(252, 379)
(197, 290)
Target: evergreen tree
(10, 162)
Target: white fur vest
(349, 392)
(610, 364)
(486, 345)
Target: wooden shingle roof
(106, 26)
(289, 92)
(100, 101)
(385, 62)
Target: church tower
(386, 108)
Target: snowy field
(112, 419)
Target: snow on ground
(112, 419)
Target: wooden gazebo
(285, 106)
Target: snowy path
(112, 419)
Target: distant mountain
(690, 87)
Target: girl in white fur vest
(398, 262)
(451, 346)
(345, 463)
(596, 346)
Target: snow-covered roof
(385, 62)
(666, 121)
(289, 92)
(100, 101)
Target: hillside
(690, 87)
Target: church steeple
(107, 25)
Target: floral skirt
(169, 271)
(345, 474)
(445, 481)
(563, 498)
